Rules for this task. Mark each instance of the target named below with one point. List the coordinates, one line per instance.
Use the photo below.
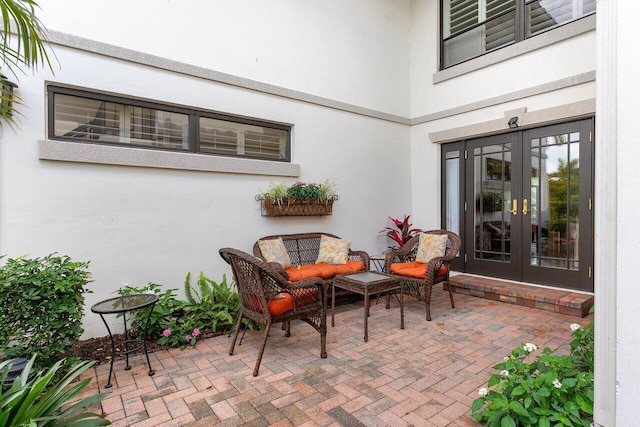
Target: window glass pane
(493, 34)
(157, 128)
(101, 121)
(229, 138)
(266, 143)
(542, 15)
(86, 118)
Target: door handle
(525, 207)
(514, 211)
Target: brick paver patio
(425, 375)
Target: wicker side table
(367, 283)
(123, 304)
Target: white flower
(574, 327)
(557, 383)
(506, 358)
(528, 347)
(504, 373)
(483, 392)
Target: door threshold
(555, 300)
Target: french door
(522, 203)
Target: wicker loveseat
(303, 250)
(418, 279)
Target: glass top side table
(122, 305)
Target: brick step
(554, 300)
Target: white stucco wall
(137, 224)
(337, 49)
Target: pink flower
(166, 332)
(196, 332)
(188, 338)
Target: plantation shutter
(462, 15)
(500, 30)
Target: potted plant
(401, 233)
(299, 199)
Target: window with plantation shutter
(82, 116)
(475, 27)
(229, 138)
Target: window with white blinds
(222, 137)
(88, 117)
(475, 27)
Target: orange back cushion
(322, 270)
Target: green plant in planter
(42, 306)
(39, 399)
(549, 390)
(279, 193)
(276, 192)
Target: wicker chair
(437, 270)
(267, 298)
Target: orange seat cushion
(278, 305)
(414, 269)
(322, 270)
(281, 304)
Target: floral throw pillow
(274, 251)
(333, 251)
(431, 246)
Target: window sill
(138, 157)
(556, 35)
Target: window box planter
(295, 207)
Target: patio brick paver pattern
(425, 375)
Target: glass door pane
(492, 195)
(452, 195)
(554, 203)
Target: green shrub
(210, 302)
(210, 307)
(42, 306)
(38, 399)
(180, 331)
(549, 390)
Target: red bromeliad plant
(402, 231)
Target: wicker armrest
(278, 269)
(314, 283)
